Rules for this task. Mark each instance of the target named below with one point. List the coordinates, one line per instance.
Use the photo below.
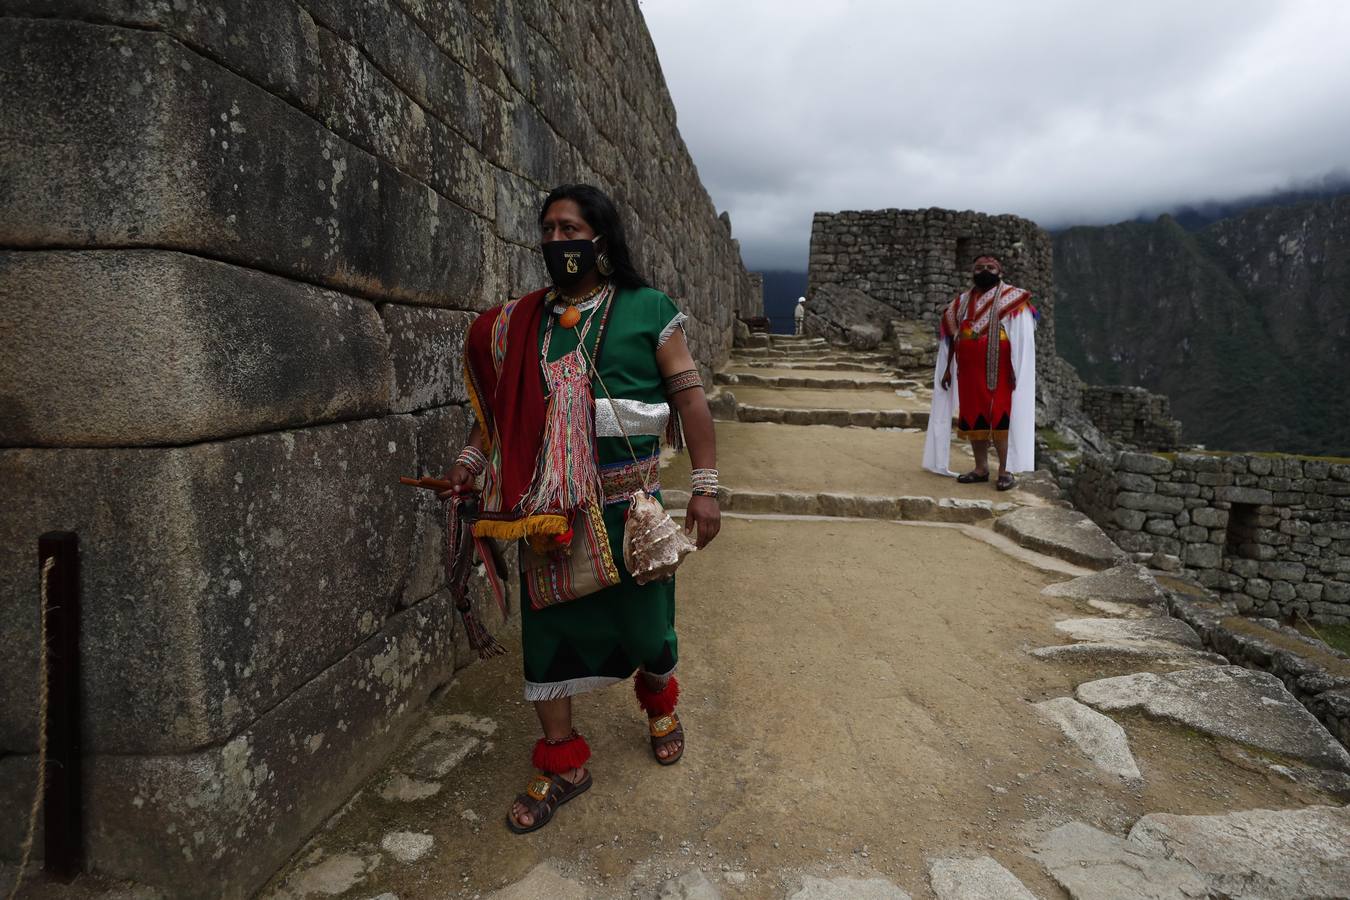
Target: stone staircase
(874, 413)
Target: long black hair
(603, 217)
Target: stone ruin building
(1268, 533)
(243, 242)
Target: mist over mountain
(1195, 216)
(1243, 322)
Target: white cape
(937, 445)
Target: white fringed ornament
(653, 545)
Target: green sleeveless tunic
(605, 637)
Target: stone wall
(915, 348)
(754, 299)
(1132, 416)
(913, 262)
(242, 243)
(916, 261)
(1268, 533)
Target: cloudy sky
(1064, 111)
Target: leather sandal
(542, 798)
(1005, 481)
(666, 730)
(973, 478)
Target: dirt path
(858, 702)
(768, 456)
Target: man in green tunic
(573, 388)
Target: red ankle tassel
(563, 756)
(657, 703)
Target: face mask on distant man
(983, 280)
(569, 261)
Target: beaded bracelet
(472, 459)
(703, 483)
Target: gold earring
(603, 264)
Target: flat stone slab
(1128, 583)
(848, 889)
(544, 880)
(1125, 610)
(1105, 651)
(1153, 629)
(1230, 702)
(1259, 853)
(1094, 865)
(692, 885)
(1065, 533)
(1101, 739)
(981, 878)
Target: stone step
(797, 340)
(794, 381)
(821, 365)
(854, 506)
(809, 353)
(843, 418)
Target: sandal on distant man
(973, 478)
(1005, 481)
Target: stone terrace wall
(1271, 534)
(1132, 416)
(241, 242)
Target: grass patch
(1335, 636)
(1052, 440)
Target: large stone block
(1064, 533)
(426, 347)
(1150, 502)
(1231, 702)
(134, 140)
(1210, 518)
(440, 435)
(217, 578)
(1144, 463)
(1202, 556)
(176, 349)
(217, 822)
(1287, 571)
(1242, 495)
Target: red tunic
(983, 414)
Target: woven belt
(620, 480)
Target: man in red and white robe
(986, 371)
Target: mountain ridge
(1244, 323)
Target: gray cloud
(1063, 111)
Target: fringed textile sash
(501, 366)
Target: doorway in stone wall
(1240, 538)
(964, 250)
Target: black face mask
(569, 261)
(983, 280)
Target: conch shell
(653, 545)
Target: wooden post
(63, 832)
